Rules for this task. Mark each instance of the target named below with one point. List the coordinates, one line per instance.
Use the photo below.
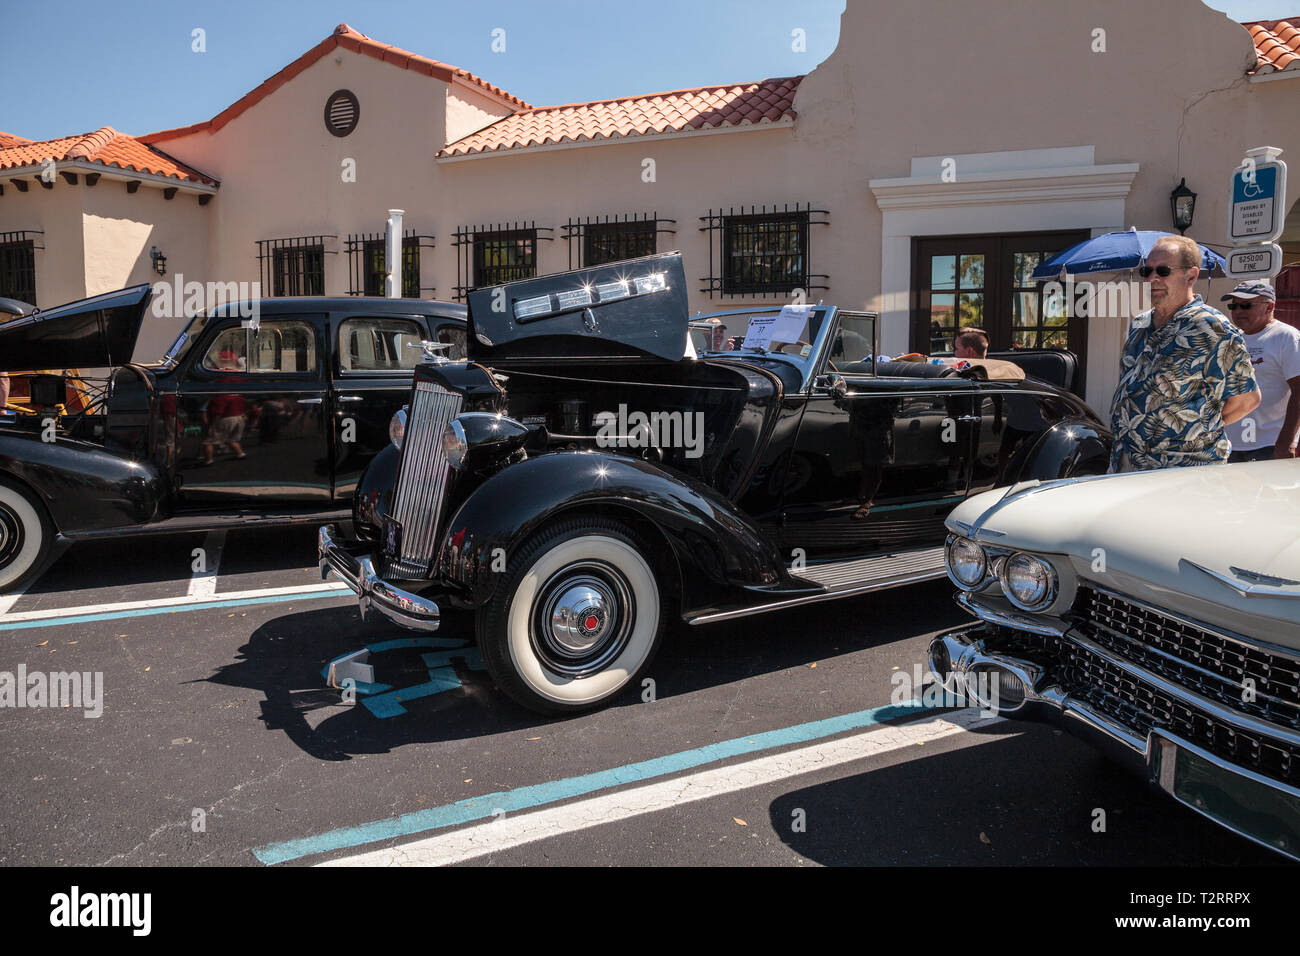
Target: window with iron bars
(293, 266)
(761, 251)
(595, 241)
(496, 254)
(367, 267)
(18, 266)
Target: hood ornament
(1252, 583)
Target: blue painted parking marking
(390, 704)
(172, 609)
(525, 798)
(383, 701)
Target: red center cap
(591, 622)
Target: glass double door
(985, 282)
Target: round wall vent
(342, 111)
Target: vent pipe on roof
(393, 254)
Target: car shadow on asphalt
(1029, 796)
(284, 659)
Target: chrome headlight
(967, 562)
(397, 427)
(1029, 583)
(454, 445)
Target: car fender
(1074, 446)
(717, 550)
(374, 495)
(83, 487)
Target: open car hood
(630, 310)
(93, 333)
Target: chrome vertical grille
(422, 479)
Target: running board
(843, 579)
(217, 521)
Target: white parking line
(59, 612)
(203, 586)
(505, 831)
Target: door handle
(351, 398)
(309, 401)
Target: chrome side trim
(864, 588)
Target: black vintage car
(263, 412)
(577, 483)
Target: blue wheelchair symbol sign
(1262, 185)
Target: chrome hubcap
(11, 536)
(582, 618)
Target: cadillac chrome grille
(1141, 706)
(1211, 664)
(422, 478)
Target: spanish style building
(923, 180)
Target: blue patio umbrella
(1115, 250)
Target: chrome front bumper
(1249, 804)
(358, 573)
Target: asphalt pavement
(773, 741)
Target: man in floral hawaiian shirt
(1184, 374)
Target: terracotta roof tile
(708, 107)
(1277, 44)
(343, 36)
(105, 146)
(9, 139)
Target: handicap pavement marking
(383, 701)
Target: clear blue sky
(74, 65)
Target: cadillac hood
(629, 310)
(1220, 543)
(93, 333)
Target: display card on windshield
(786, 326)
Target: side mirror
(832, 382)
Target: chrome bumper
(400, 607)
(1259, 808)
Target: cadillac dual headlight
(454, 445)
(397, 427)
(1029, 583)
(967, 562)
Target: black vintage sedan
(261, 412)
(577, 482)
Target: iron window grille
(293, 266)
(762, 251)
(18, 264)
(367, 266)
(595, 241)
(491, 255)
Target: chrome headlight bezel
(1051, 581)
(454, 444)
(397, 427)
(950, 562)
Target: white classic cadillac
(1156, 614)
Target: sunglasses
(1239, 305)
(1161, 271)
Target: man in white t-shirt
(1271, 430)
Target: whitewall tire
(25, 537)
(578, 617)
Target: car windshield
(792, 333)
(185, 341)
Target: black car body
(265, 412)
(529, 488)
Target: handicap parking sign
(1258, 196)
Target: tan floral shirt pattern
(1174, 381)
